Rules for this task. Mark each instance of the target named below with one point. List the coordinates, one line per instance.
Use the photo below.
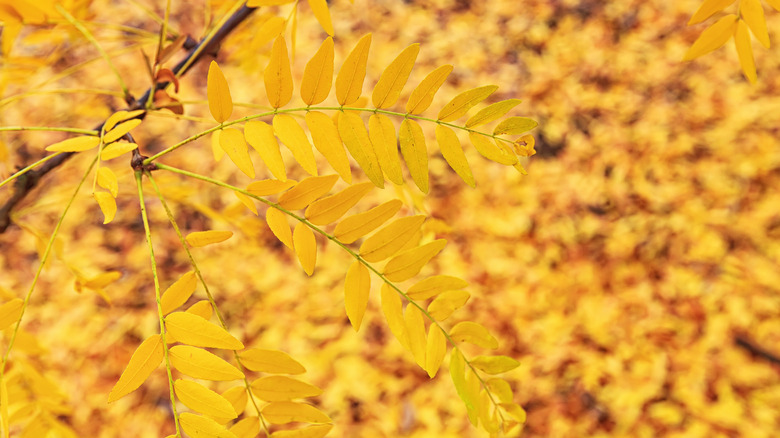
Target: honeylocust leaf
(203, 238)
(745, 51)
(10, 312)
(447, 302)
(349, 81)
(75, 144)
(193, 330)
(287, 412)
(232, 142)
(458, 374)
(116, 150)
(178, 293)
(201, 399)
(408, 263)
(202, 308)
(356, 287)
(393, 79)
(277, 222)
(120, 130)
(318, 75)
(453, 153)
(200, 364)
(248, 202)
(237, 397)
(414, 331)
(492, 112)
(492, 151)
(435, 349)
(145, 359)
(382, 134)
(248, 427)
(464, 101)
(331, 208)
(270, 361)
(713, 37)
(474, 333)
(218, 92)
(501, 389)
(107, 205)
(415, 152)
(320, 10)
(353, 133)
(282, 388)
(356, 226)
(269, 186)
(107, 179)
(435, 285)
(495, 364)
(707, 9)
(390, 239)
(753, 13)
(328, 141)
(313, 431)
(422, 96)
(515, 126)
(393, 311)
(261, 136)
(293, 136)
(307, 191)
(198, 426)
(305, 247)
(278, 76)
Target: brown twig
(25, 183)
(755, 349)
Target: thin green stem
(50, 129)
(28, 168)
(84, 31)
(148, 232)
(44, 259)
(349, 250)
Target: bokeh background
(633, 272)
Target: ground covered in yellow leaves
(633, 272)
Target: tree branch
(26, 183)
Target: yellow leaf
(318, 75)
(432, 286)
(393, 311)
(248, 427)
(277, 222)
(281, 388)
(293, 136)
(216, 149)
(220, 103)
(120, 130)
(356, 287)
(349, 82)
(745, 51)
(305, 247)
(116, 150)
(435, 350)
(261, 136)
(203, 238)
(393, 79)
(269, 186)
(120, 116)
(257, 3)
(414, 332)
(358, 225)
(713, 37)
(198, 426)
(75, 144)
(489, 420)
(391, 239)
(102, 280)
(422, 96)
(467, 331)
(453, 153)
(287, 412)
(10, 312)
(107, 179)
(328, 141)
(501, 389)
(515, 411)
(200, 364)
(201, 399)
(270, 361)
(145, 359)
(237, 397)
(202, 309)
(442, 307)
(492, 151)
(495, 364)
(320, 10)
(515, 126)
(193, 330)
(415, 152)
(232, 142)
(353, 133)
(331, 208)
(314, 431)
(270, 29)
(178, 293)
(107, 205)
(753, 14)
(382, 134)
(278, 76)
(408, 264)
(707, 9)
(307, 191)
(492, 112)
(464, 101)
(248, 202)
(458, 374)
(774, 3)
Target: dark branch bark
(756, 350)
(27, 182)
